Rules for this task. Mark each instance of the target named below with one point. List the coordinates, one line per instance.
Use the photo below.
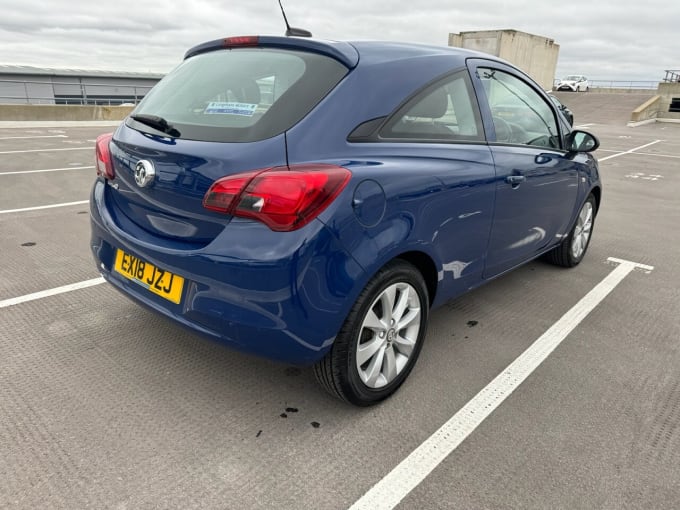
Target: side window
(446, 111)
(520, 114)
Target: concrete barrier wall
(657, 107)
(647, 110)
(51, 112)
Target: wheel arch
(597, 193)
(427, 268)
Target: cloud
(599, 39)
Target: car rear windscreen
(240, 95)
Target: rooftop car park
(544, 388)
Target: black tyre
(380, 341)
(572, 250)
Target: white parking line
(37, 208)
(50, 292)
(389, 491)
(47, 170)
(31, 137)
(580, 126)
(49, 150)
(629, 151)
(646, 154)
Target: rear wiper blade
(156, 122)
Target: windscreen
(240, 95)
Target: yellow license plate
(157, 280)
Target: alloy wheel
(584, 225)
(388, 335)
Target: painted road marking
(643, 176)
(580, 126)
(31, 137)
(47, 170)
(50, 292)
(49, 150)
(389, 491)
(646, 154)
(655, 154)
(629, 151)
(25, 209)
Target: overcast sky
(603, 39)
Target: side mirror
(582, 141)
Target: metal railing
(624, 84)
(672, 75)
(70, 93)
(619, 84)
(105, 101)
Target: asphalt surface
(105, 405)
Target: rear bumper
(283, 296)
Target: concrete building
(35, 85)
(663, 107)
(534, 54)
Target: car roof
(349, 53)
(376, 52)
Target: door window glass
(520, 115)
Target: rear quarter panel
(435, 199)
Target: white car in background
(573, 83)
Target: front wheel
(572, 250)
(380, 341)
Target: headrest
(433, 106)
(247, 91)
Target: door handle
(515, 180)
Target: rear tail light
(103, 156)
(283, 199)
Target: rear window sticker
(231, 108)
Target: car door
(435, 142)
(536, 184)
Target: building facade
(35, 85)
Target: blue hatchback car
(310, 201)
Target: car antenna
(291, 31)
